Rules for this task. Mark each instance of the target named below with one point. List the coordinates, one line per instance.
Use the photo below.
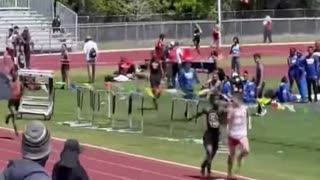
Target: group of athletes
(224, 111)
(16, 56)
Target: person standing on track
(238, 119)
(211, 136)
(9, 44)
(27, 46)
(65, 66)
(91, 52)
(311, 63)
(197, 31)
(235, 55)
(216, 37)
(292, 66)
(14, 102)
(159, 47)
(156, 75)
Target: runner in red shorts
(238, 119)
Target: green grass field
(284, 145)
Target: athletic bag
(92, 53)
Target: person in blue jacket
(226, 87)
(187, 79)
(283, 93)
(300, 76)
(311, 63)
(249, 92)
(292, 66)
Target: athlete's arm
(199, 114)
(199, 28)
(249, 120)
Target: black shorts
(211, 138)
(14, 103)
(65, 67)
(155, 81)
(196, 41)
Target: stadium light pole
(219, 20)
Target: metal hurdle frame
(95, 104)
(81, 121)
(188, 102)
(129, 96)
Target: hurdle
(83, 95)
(100, 99)
(187, 106)
(131, 99)
(38, 105)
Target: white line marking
(139, 156)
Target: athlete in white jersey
(238, 118)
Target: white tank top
(238, 123)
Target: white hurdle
(38, 105)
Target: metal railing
(43, 7)
(133, 35)
(14, 4)
(226, 15)
(69, 19)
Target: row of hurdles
(104, 109)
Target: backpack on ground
(92, 53)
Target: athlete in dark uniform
(156, 75)
(211, 136)
(196, 37)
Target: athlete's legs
(232, 143)
(244, 145)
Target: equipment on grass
(38, 105)
(188, 102)
(100, 108)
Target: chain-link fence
(143, 34)
(226, 15)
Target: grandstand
(37, 15)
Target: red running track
(107, 165)
(111, 58)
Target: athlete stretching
(238, 118)
(211, 136)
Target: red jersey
(268, 26)
(159, 49)
(172, 55)
(215, 34)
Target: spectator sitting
(56, 24)
(236, 82)
(36, 148)
(283, 93)
(69, 167)
(226, 87)
(126, 70)
(213, 85)
(249, 92)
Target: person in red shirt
(159, 48)
(216, 37)
(267, 26)
(14, 102)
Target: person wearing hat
(36, 148)
(187, 78)
(90, 49)
(69, 167)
